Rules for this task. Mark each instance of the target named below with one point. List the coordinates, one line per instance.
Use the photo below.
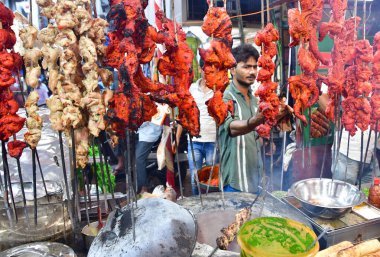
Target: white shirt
(355, 145)
(42, 91)
(207, 123)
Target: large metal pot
(40, 249)
(162, 228)
(52, 216)
(326, 198)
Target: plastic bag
(161, 150)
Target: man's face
(245, 72)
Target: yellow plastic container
(276, 237)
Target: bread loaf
(332, 251)
(360, 249)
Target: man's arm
(242, 127)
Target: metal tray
(351, 227)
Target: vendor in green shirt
(241, 161)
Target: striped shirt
(241, 161)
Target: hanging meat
(10, 63)
(269, 103)
(218, 59)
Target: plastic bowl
(276, 237)
(203, 176)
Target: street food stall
(79, 77)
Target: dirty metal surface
(212, 217)
(162, 228)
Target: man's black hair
(243, 52)
(201, 63)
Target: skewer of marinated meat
(230, 232)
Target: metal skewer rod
(361, 157)
(220, 177)
(303, 144)
(309, 141)
(103, 178)
(100, 224)
(4, 188)
(174, 133)
(109, 178)
(271, 158)
(348, 150)
(69, 209)
(324, 153)
(42, 176)
(129, 178)
(34, 184)
(284, 139)
(365, 158)
(195, 169)
(22, 189)
(340, 132)
(374, 170)
(75, 177)
(213, 159)
(7, 178)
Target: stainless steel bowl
(326, 198)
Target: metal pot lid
(162, 228)
(40, 249)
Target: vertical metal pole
(240, 20)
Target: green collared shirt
(241, 161)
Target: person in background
(204, 145)
(42, 91)
(240, 154)
(148, 134)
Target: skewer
(7, 179)
(284, 139)
(85, 197)
(42, 176)
(174, 133)
(374, 150)
(324, 153)
(103, 179)
(365, 158)
(340, 132)
(348, 149)
(34, 184)
(4, 188)
(195, 169)
(220, 177)
(213, 159)
(271, 158)
(87, 183)
(109, 178)
(75, 176)
(303, 144)
(65, 175)
(130, 187)
(100, 224)
(22, 189)
(361, 158)
(309, 141)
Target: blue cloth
(142, 152)
(202, 151)
(228, 188)
(149, 132)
